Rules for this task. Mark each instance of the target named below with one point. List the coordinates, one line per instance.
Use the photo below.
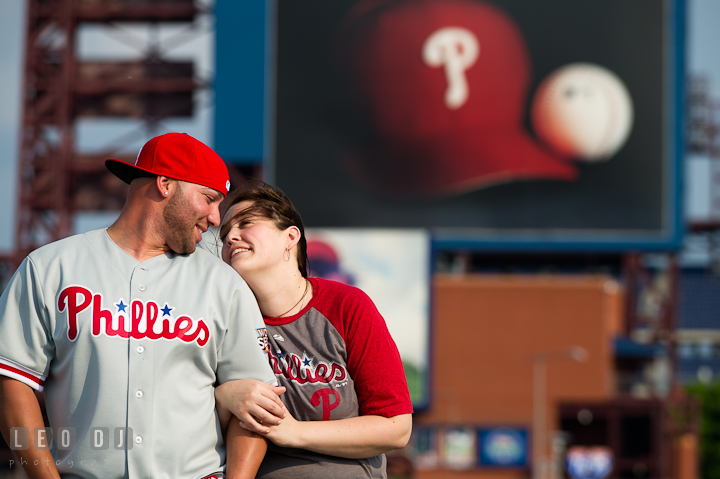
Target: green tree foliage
(416, 382)
(709, 397)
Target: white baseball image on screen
(583, 111)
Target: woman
(347, 398)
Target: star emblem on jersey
(166, 310)
(121, 306)
(307, 361)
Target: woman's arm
(251, 401)
(352, 438)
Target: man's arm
(245, 452)
(20, 408)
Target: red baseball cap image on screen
(444, 85)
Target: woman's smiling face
(252, 243)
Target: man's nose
(214, 216)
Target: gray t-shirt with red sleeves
(337, 360)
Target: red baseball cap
(322, 251)
(444, 85)
(178, 156)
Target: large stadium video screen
(494, 123)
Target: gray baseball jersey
(128, 354)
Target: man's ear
(165, 186)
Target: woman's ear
(293, 236)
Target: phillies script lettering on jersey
(302, 371)
(142, 321)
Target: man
(127, 329)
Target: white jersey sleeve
(26, 349)
(242, 355)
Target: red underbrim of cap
(458, 163)
(126, 171)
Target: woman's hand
(286, 433)
(253, 402)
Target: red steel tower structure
(55, 180)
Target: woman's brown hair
(268, 202)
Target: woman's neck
(280, 294)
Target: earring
(287, 253)
(166, 193)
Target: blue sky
(12, 21)
(704, 40)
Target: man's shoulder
(211, 268)
(70, 245)
(208, 260)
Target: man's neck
(137, 240)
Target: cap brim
(459, 163)
(126, 171)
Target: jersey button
(139, 394)
(138, 439)
(141, 287)
(140, 349)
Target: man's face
(190, 212)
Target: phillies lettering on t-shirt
(302, 371)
